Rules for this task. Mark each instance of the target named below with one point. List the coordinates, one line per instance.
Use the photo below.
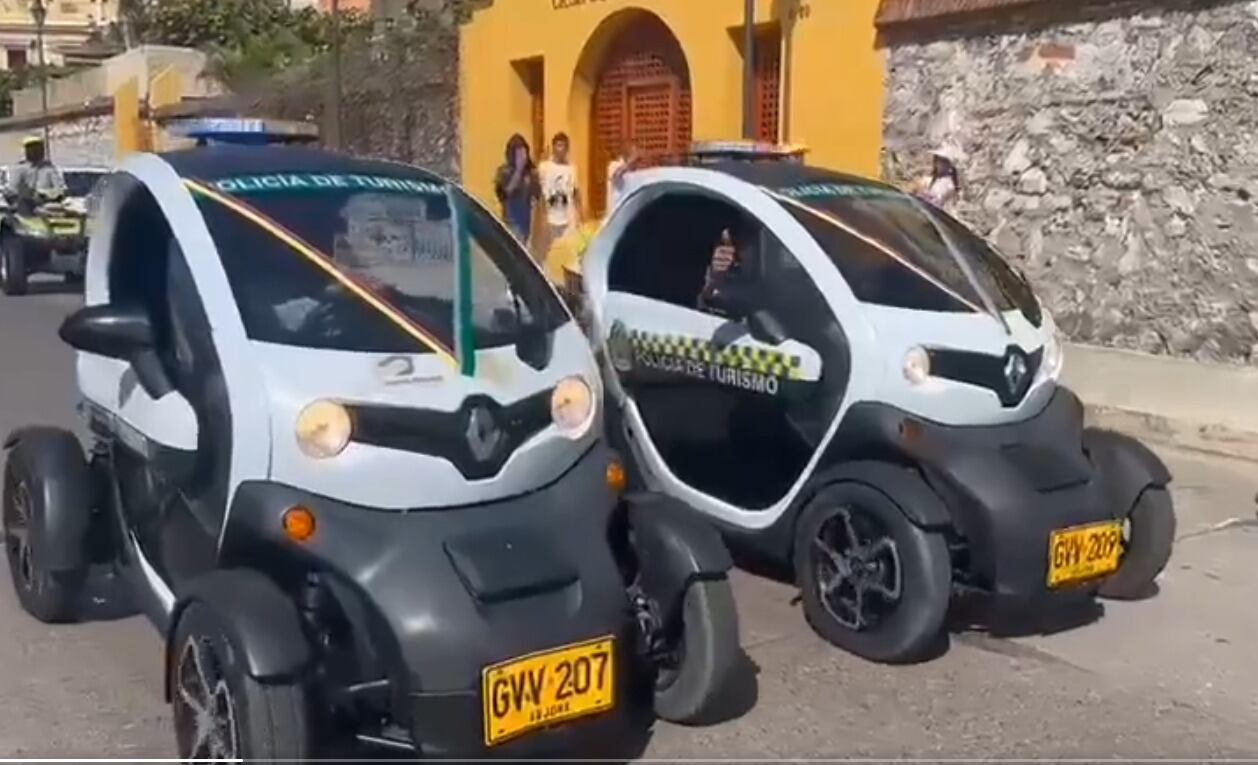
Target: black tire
(12, 266)
(251, 720)
(905, 569)
(51, 597)
(707, 655)
(1150, 537)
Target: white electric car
(869, 394)
(346, 450)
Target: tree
(245, 38)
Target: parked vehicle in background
(52, 237)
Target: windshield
(366, 263)
(881, 239)
(80, 183)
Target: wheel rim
(205, 711)
(858, 570)
(17, 538)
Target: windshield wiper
(963, 263)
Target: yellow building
(663, 73)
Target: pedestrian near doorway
(517, 187)
(944, 183)
(617, 169)
(560, 193)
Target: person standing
(559, 189)
(517, 187)
(617, 169)
(944, 183)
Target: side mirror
(762, 326)
(119, 332)
(533, 345)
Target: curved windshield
(365, 263)
(882, 240)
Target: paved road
(1174, 676)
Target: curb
(1218, 440)
(1204, 407)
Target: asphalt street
(1171, 676)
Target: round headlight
(572, 407)
(1054, 355)
(917, 365)
(323, 429)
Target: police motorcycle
(868, 395)
(46, 235)
(346, 451)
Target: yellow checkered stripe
(759, 360)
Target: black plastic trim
(988, 371)
(448, 435)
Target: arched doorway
(641, 93)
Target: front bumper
(448, 592)
(1008, 487)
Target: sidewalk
(1209, 407)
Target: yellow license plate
(65, 226)
(1084, 552)
(548, 687)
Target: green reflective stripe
(464, 331)
(763, 361)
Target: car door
(160, 437)
(729, 408)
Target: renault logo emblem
(483, 435)
(1015, 371)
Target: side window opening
(138, 266)
(665, 252)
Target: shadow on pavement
(975, 613)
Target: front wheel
(221, 713)
(701, 660)
(871, 582)
(12, 266)
(50, 596)
(1147, 543)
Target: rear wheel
(12, 266)
(1148, 540)
(871, 582)
(49, 596)
(699, 662)
(222, 713)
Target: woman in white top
(944, 182)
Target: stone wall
(79, 141)
(1114, 158)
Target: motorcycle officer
(35, 180)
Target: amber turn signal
(616, 480)
(299, 523)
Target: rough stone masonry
(1114, 159)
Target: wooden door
(642, 94)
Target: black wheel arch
(903, 484)
(261, 619)
(675, 547)
(68, 500)
(1128, 467)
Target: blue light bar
(751, 151)
(247, 131)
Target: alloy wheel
(858, 570)
(205, 710)
(17, 519)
